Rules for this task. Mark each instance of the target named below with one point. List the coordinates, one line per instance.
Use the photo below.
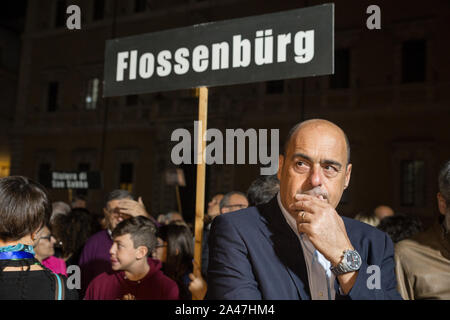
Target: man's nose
(316, 178)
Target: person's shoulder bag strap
(59, 288)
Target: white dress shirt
(320, 278)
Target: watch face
(353, 260)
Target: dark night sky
(12, 15)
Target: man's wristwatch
(351, 261)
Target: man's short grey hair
(262, 190)
(226, 198)
(118, 194)
(444, 182)
(59, 207)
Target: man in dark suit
(297, 246)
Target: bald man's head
(315, 162)
(315, 122)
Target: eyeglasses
(46, 237)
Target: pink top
(57, 265)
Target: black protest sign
(282, 45)
(72, 180)
(175, 177)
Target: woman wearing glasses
(45, 251)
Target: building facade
(390, 93)
(9, 68)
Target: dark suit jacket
(205, 251)
(254, 254)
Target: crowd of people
(127, 254)
(131, 255)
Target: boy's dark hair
(262, 190)
(24, 207)
(142, 232)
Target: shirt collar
(289, 219)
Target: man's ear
(348, 173)
(280, 166)
(442, 204)
(141, 252)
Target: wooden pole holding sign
(201, 174)
(70, 196)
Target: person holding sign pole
(297, 246)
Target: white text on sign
(133, 64)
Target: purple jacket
(95, 258)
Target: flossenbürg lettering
(237, 52)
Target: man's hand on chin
(326, 231)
